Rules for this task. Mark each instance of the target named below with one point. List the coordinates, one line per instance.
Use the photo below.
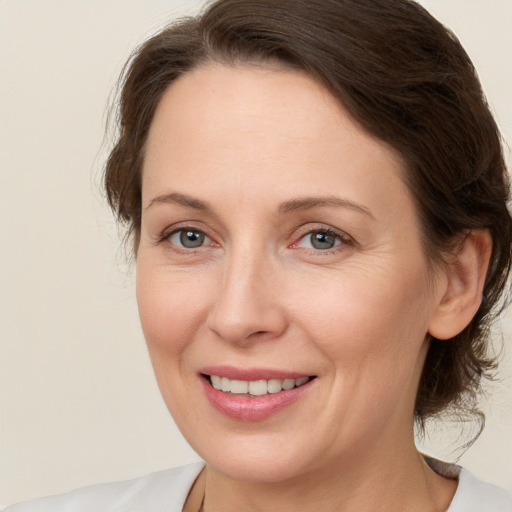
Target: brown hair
(406, 79)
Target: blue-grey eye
(189, 238)
(321, 240)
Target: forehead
(220, 106)
(262, 129)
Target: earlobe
(463, 285)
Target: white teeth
(225, 384)
(274, 385)
(255, 387)
(216, 381)
(288, 384)
(239, 387)
(301, 381)
(258, 387)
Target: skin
(247, 141)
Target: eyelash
(343, 239)
(168, 234)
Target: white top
(167, 490)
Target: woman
(317, 196)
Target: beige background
(78, 402)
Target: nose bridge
(247, 303)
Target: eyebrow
(181, 200)
(292, 205)
(307, 203)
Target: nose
(248, 305)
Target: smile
(253, 395)
(255, 387)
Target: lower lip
(246, 408)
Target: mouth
(255, 388)
(254, 394)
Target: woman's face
(280, 244)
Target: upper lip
(251, 374)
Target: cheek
(171, 312)
(171, 309)
(372, 333)
(369, 324)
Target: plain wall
(78, 401)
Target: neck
(393, 481)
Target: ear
(463, 279)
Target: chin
(258, 459)
(256, 470)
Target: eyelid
(169, 231)
(206, 241)
(308, 229)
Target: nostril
(245, 320)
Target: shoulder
(161, 491)
(474, 495)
